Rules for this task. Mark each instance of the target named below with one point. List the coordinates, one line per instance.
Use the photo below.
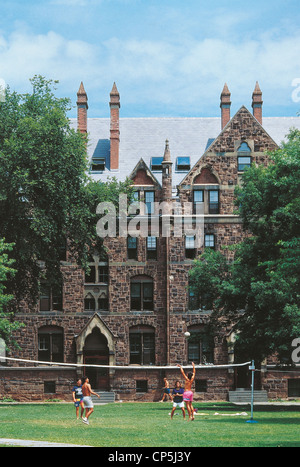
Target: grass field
(149, 425)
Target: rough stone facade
(99, 322)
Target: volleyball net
(121, 367)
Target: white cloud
(189, 75)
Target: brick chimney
(82, 107)
(114, 128)
(225, 106)
(257, 103)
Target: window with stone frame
(142, 345)
(244, 157)
(96, 284)
(50, 297)
(132, 244)
(51, 344)
(200, 345)
(151, 247)
(141, 288)
(209, 241)
(190, 247)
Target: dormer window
(244, 157)
(183, 164)
(156, 164)
(98, 164)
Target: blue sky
(168, 57)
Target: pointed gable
(242, 127)
(142, 175)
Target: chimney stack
(82, 107)
(225, 106)
(257, 103)
(114, 128)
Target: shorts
(167, 391)
(188, 396)
(88, 403)
(77, 402)
(178, 404)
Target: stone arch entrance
(96, 352)
(95, 346)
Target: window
(198, 198)
(50, 298)
(294, 388)
(142, 345)
(200, 346)
(103, 273)
(151, 248)
(132, 248)
(190, 250)
(90, 277)
(98, 164)
(89, 302)
(98, 271)
(149, 201)
(103, 302)
(209, 241)
(244, 157)
(201, 385)
(243, 163)
(50, 344)
(183, 164)
(141, 385)
(49, 387)
(156, 163)
(213, 200)
(141, 294)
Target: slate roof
(145, 138)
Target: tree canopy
(47, 199)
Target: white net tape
(123, 367)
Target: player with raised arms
(188, 393)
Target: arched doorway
(96, 352)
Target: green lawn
(149, 424)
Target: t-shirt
(178, 395)
(78, 392)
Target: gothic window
(89, 302)
(244, 157)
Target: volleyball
(187, 334)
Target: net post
(252, 369)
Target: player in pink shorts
(188, 393)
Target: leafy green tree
(7, 324)
(259, 291)
(47, 199)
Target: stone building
(134, 307)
